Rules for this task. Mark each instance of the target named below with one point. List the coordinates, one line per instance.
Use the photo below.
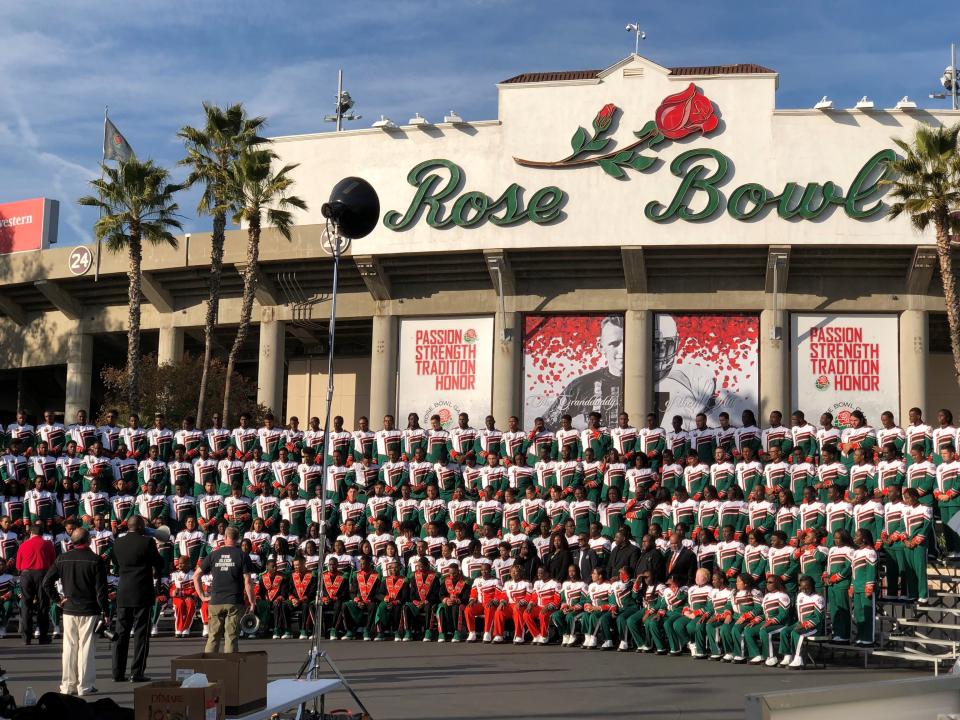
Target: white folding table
(287, 694)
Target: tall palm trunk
(133, 320)
(246, 309)
(213, 304)
(950, 295)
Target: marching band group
(718, 541)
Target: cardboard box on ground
(243, 677)
(166, 700)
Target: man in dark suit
(651, 561)
(139, 565)
(624, 554)
(681, 561)
(585, 558)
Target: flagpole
(103, 159)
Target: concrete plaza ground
(460, 682)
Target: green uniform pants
(759, 639)
(637, 629)
(914, 571)
(790, 638)
(838, 603)
(863, 615)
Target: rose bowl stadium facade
(636, 237)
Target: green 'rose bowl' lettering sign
(700, 170)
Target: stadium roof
(698, 70)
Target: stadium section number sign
(701, 172)
(80, 260)
(843, 363)
(572, 365)
(705, 364)
(445, 368)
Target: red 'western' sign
(448, 357)
(840, 353)
(27, 225)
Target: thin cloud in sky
(153, 62)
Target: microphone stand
(311, 665)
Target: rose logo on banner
(677, 117)
(823, 382)
(470, 336)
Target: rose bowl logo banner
(572, 365)
(445, 368)
(843, 363)
(705, 364)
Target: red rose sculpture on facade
(685, 113)
(679, 115)
(603, 119)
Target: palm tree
(256, 190)
(211, 151)
(926, 187)
(136, 203)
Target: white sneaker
(692, 647)
(539, 640)
(471, 637)
(155, 631)
(397, 637)
(622, 647)
(206, 631)
(738, 658)
(797, 662)
(728, 657)
(607, 644)
(771, 662)
(36, 633)
(56, 632)
(643, 648)
(565, 641)
(518, 640)
(487, 637)
(498, 639)
(786, 660)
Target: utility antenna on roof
(641, 35)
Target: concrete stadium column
(638, 365)
(271, 365)
(506, 368)
(913, 361)
(79, 376)
(170, 347)
(383, 369)
(774, 365)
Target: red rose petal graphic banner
(705, 363)
(572, 364)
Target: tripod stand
(316, 656)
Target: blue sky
(154, 61)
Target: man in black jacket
(139, 565)
(651, 561)
(83, 576)
(585, 558)
(624, 554)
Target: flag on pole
(115, 145)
